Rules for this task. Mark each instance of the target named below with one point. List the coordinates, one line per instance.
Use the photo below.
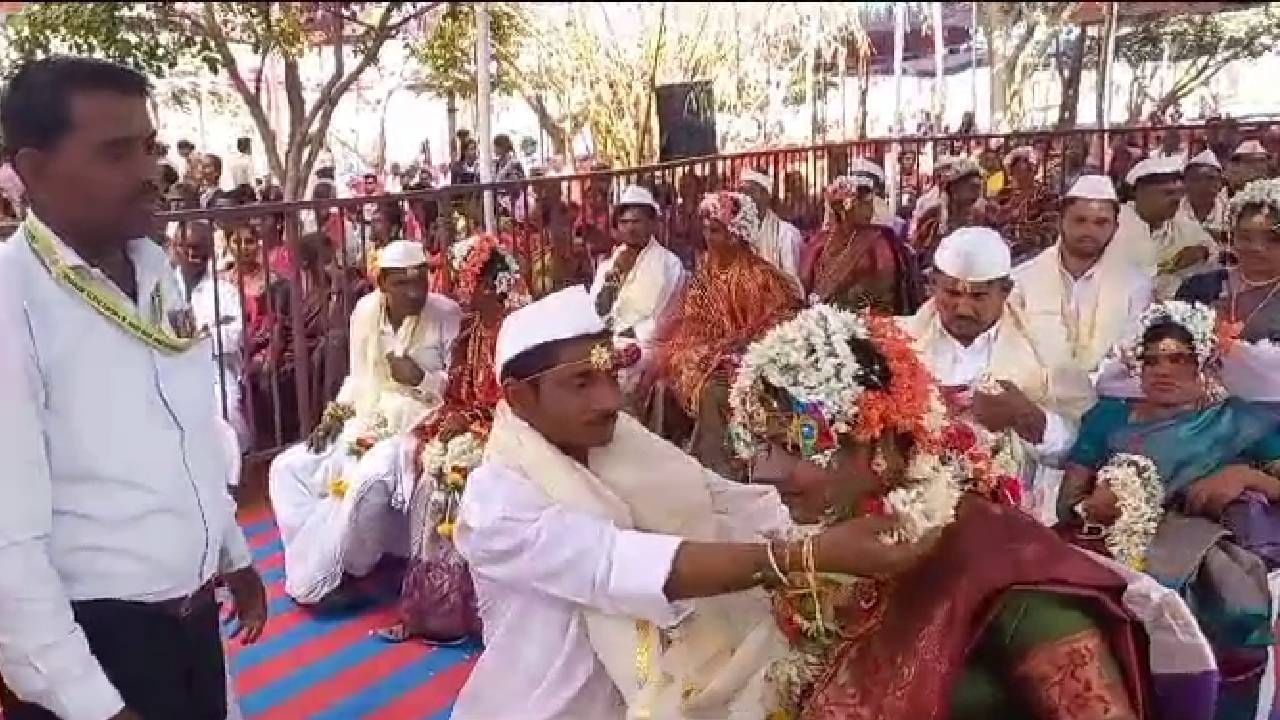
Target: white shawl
(713, 663)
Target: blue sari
(1219, 567)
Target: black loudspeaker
(686, 120)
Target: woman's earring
(878, 463)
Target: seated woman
(1002, 620)
(1024, 211)
(1211, 531)
(961, 205)
(437, 600)
(733, 298)
(856, 261)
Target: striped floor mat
(325, 666)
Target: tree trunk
(1069, 105)
(864, 90)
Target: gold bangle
(773, 563)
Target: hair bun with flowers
(736, 211)
(846, 187)
(832, 393)
(468, 259)
(1263, 193)
(1199, 320)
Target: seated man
(1022, 388)
(332, 495)
(614, 573)
(639, 280)
(1153, 235)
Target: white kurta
(779, 243)
(536, 563)
(649, 289)
(1151, 249)
(960, 366)
(327, 533)
(1093, 312)
(216, 304)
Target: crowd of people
(683, 453)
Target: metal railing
(299, 267)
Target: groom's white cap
(973, 254)
(562, 315)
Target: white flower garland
(742, 225)
(929, 502)
(809, 358)
(462, 452)
(1265, 192)
(1199, 320)
(1140, 500)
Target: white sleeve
(672, 284)
(1059, 435)
(749, 513)
(44, 655)
(231, 331)
(512, 533)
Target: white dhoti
(327, 534)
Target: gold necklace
(1235, 296)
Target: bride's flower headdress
(1199, 320)
(736, 211)
(468, 258)
(1263, 193)
(804, 375)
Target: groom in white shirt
(116, 520)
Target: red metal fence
(298, 267)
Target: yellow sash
(41, 240)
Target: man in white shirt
(777, 241)
(1153, 235)
(116, 518)
(1206, 199)
(603, 556)
(1084, 288)
(215, 303)
(242, 166)
(639, 280)
(334, 496)
(1021, 388)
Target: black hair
(542, 357)
(503, 140)
(495, 265)
(185, 144)
(325, 173)
(243, 144)
(874, 372)
(649, 210)
(36, 109)
(215, 159)
(168, 176)
(1168, 330)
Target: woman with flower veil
(437, 600)
(838, 411)
(733, 298)
(1197, 513)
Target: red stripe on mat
(428, 698)
(251, 678)
(346, 683)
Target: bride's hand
(1210, 495)
(1102, 507)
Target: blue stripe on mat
(314, 673)
(378, 694)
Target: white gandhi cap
(634, 195)
(1205, 159)
(1249, 148)
(973, 254)
(1154, 166)
(757, 177)
(562, 315)
(401, 254)
(1093, 187)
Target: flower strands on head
(1139, 498)
(735, 211)
(1264, 193)
(1198, 320)
(468, 259)
(843, 191)
(827, 393)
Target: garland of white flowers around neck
(1140, 500)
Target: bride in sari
(1216, 461)
(1003, 619)
(437, 599)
